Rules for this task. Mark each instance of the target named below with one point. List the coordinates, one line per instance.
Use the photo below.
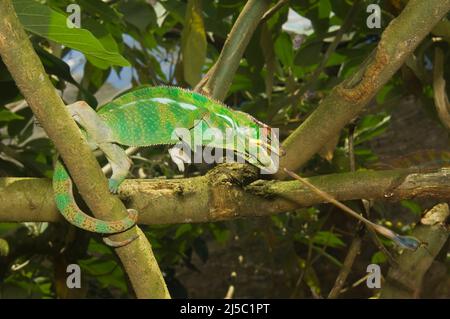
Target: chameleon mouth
(278, 151)
(268, 165)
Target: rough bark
(348, 99)
(227, 192)
(218, 80)
(29, 74)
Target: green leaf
(309, 54)
(220, 234)
(240, 83)
(378, 258)
(105, 271)
(105, 38)
(4, 248)
(100, 32)
(252, 54)
(176, 8)
(324, 9)
(389, 92)
(102, 9)
(183, 229)
(193, 43)
(138, 13)
(312, 280)
(43, 21)
(284, 50)
(412, 206)
(371, 126)
(8, 116)
(327, 238)
(8, 227)
(335, 59)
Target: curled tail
(62, 188)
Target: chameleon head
(259, 143)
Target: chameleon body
(147, 117)
(62, 186)
(150, 116)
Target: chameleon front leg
(180, 154)
(181, 151)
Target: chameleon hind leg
(65, 202)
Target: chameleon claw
(117, 244)
(113, 185)
(179, 157)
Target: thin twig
(353, 251)
(355, 246)
(403, 241)
(331, 199)
(280, 4)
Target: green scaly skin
(65, 202)
(147, 117)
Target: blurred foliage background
(286, 70)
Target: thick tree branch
(440, 95)
(27, 70)
(218, 80)
(222, 194)
(346, 100)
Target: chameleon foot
(179, 157)
(113, 185)
(116, 244)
